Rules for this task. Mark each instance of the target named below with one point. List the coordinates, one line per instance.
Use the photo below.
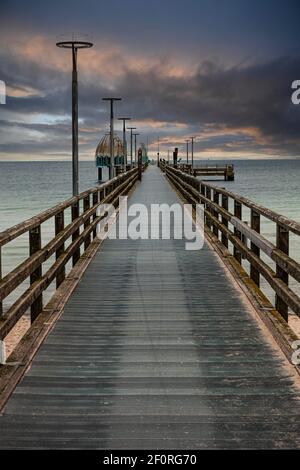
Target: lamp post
(124, 119)
(74, 46)
(112, 156)
(187, 151)
(192, 140)
(135, 135)
(131, 129)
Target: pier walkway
(156, 348)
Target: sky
(219, 70)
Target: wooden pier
(144, 344)
(226, 171)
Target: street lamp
(131, 129)
(192, 139)
(112, 156)
(124, 119)
(135, 135)
(74, 46)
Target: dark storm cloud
(268, 27)
(246, 107)
(256, 96)
(253, 97)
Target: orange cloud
(106, 60)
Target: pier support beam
(282, 243)
(255, 225)
(59, 226)
(238, 214)
(140, 169)
(75, 215)
(224, 220)
(35, 244)
(1, 304)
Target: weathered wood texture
(32, 267)
(155, 349)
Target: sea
(27, 188)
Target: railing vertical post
(1, 304)
(140, 171)
(86, 207)
(75, 215)
(208, 196)
(282, 243)
(96, 199)
(59, 226)
(215, 213)
(224, 220)
(255, 225)
(35, 244)
(202, 192)
(2, 343)
(238, 214)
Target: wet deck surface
(155, 349)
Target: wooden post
(96, 199)
(238, 214)
(2, 343)
(2, 353)
(1, 304)
(208, 196)
(282, 243)
(224, 221)
(59, 226)
(215, 213)
(244, 240)
(140, 165)
(75, 215)
(35, 244)
(202, 189)
(202, 192)
(255, 225)
(86, 207)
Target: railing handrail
(206, 166)
(218, 217)
(22, 227)
(290, 224)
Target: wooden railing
(79, 233)
(229, 227)
(204, 170)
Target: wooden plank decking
(156, 349)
